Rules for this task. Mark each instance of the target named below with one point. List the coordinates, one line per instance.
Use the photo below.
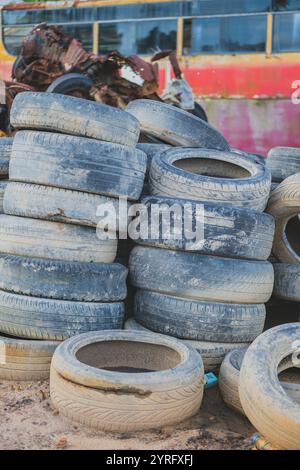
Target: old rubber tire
(70, 83)
(228, 231)
(53, 240)
(251, 156)
(5, 154)
(151, 150)
(35, 318)
(201, 277)
(229, 377)
(62, 280)
(170, 391)
(266, 404)
(199, 320)
(77, 163)
(284, 205)
(175, 126)
(24, 359)
(3, 186)
(212, 353)
(75, 116)
(212, 176)
(287, 281)
(283, 162)
(55, 204)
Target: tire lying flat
(36, 318)
(212, 353)
(78, 163)
(271, 411)
(199, 320)
(27, 360)
(175, 126)
(62, 280)
(75, 116)
(82, 390)
(212, 176)
(52, 240)
(55, 204)
(201, 277)
(228, 231)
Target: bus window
(286, 32)
(141, 37)
(225, 35)
(219, 7)
(279, 5)
(12, 38)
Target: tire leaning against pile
(212, 353)
(63, 280)
(50, 319)
(201, 277)
(198, 320)
(283, 162)
(78, 163)
(175, 126)
(75, 116)
(53, 240)
(284, 206)
(228, 231)
(118, 401)
(235, 180)
(271, 411)
(55, 204)
(229, 377)
(23, 359)
(287, 281)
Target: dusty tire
(35, 318)
(52, 240)
(151, 150)
(251, 156)
(55, 204)
(22, 359)
(114, 401)
(287, 281)
(5, 154)
(229, 377)
(228, 231)
(199, 320)
(88, 282)
(271, 411)
(284, 205)
(212, 176)
(3, 186)
(212, 353)
(175, 126)
(77, 163)
(75, 116)
(283, 162)
(201, 277)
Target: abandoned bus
(241, 57)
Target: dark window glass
(141, 37)
(144, 10)
(13, 36)
(225, 35)
(286, 32)
(280, 5)
(218, 7)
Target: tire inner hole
(292, 231)
(128, 356)
(211, 167)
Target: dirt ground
(28, 421)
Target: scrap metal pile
(51, 60)
(199, 303)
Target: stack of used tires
(5, 153)
(58, 277)
(210, 294)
